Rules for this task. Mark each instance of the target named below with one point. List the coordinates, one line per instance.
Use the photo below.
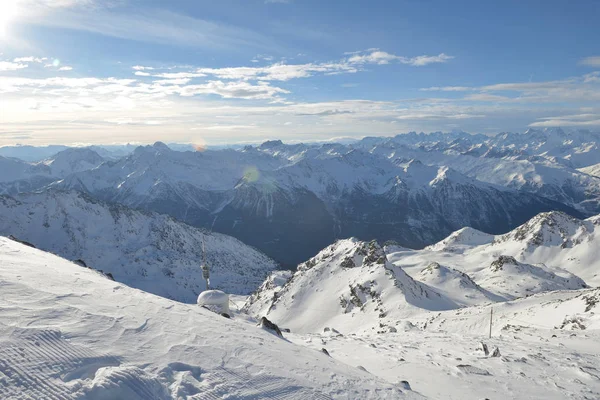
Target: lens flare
(251, 174)
(199, 145)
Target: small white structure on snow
(215, 300)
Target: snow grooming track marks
(34, 364)
(220, 382)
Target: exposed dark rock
(11, 237)
(81, 263)
(324, 350)
(270, 326)
(483, 347)
(496, 352)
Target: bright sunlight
(8, 11)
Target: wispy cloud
(148, 25)
(446, 89)
(284, 72)
(593, 61)
(376, 56)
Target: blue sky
(113, 71)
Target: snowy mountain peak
(546, 229)
(270, 144)
(161, 146)
(463, 238)
(73, 160)
(348, 279)
(351, 253)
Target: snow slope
(552, 251)
(148, 251)
(70, 333)
(592, 170)
(349, 283)
(549, 349)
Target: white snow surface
(148, 251)
(70, 333)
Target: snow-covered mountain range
(290, 201)
(145, 250)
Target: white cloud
(376, 56)
(284, 72)
(179, 75)
(30, 59)
(11, 66)
(142, 68)
(446, 89)
(65, 68)
(593, 61)
(228, 90)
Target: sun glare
(8, 11)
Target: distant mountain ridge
(292, 200)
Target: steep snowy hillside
(349, 283)
(593, 170)
(291, 201)
(148, 251)
(70, 333)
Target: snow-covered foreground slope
(549, 347)
(70, 333)
(148, 251)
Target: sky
(243, 71)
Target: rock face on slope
(349, 285)
(148, 251)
